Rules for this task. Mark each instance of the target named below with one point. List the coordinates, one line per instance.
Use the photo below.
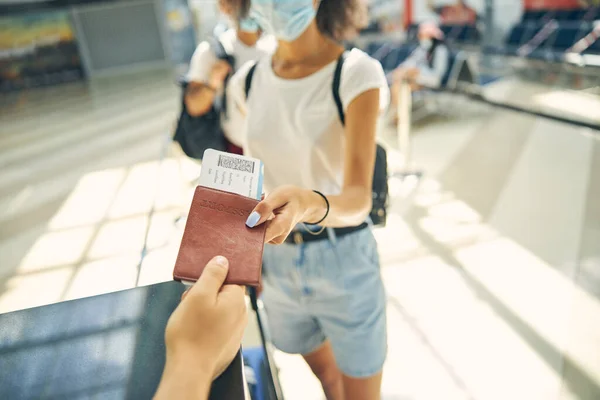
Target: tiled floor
(492, 262)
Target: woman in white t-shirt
(322, 291)
(207, 73)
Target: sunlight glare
(119, 237)
(90, 199)
(56, 249)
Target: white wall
(206, 16)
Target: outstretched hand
(283, 209)
(204, 333)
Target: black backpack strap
(335, 87)
(248, 82)
(220, 51)
(222, 54)
(218, 47)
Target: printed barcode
(236, 163)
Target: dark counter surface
(109, 346)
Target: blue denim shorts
(328, 289)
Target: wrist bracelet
(326, 212)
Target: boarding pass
(232, 173)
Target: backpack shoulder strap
(335, 87)
(221, 52)
(217, 47)
(248, 82)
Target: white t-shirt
(204, 58)
(293, 126)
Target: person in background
(206, 75)
(322, 290)
(203, 334)
(459, 13)
(425, 66)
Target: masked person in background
(426, 65)
(207, 73)
(322, 289)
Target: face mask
(425, 43)
(285, 19)
(248, 25)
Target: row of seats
(587, 14)
(460, 34)
(553, 47)
(391, 54)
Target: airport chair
(518, 35)
(461, 75)
(412, 33)
(373, 47)
(533, 15)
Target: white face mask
(425, 43)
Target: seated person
(425, 66)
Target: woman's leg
(322, 363)
(362, 388)
(349, 304)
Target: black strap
(248, 82)
(219, 49)
(222, 54)
(335, 87)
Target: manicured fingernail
(253, 219)
(222, 261)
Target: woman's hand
(284, 208)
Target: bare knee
(323, 365)
(329, 376)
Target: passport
(216, 226)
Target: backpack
(196, 134)
(378, 212)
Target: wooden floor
(491, 261)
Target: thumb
(263, 210)
(212, 277)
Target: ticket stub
(232, 173)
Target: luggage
(260, 359)
(252, 369)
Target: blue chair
(577, 15)
(594, 48)
(519, 35)
(565, 15)
(412, 32)
(390, 60)
(533, 16)
(565, 38)
(373, 47)
(470, 34)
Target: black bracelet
(326, 213)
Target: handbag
(195, 134)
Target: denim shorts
(328, 289)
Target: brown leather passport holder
(216, 226)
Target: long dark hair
(337, 19)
